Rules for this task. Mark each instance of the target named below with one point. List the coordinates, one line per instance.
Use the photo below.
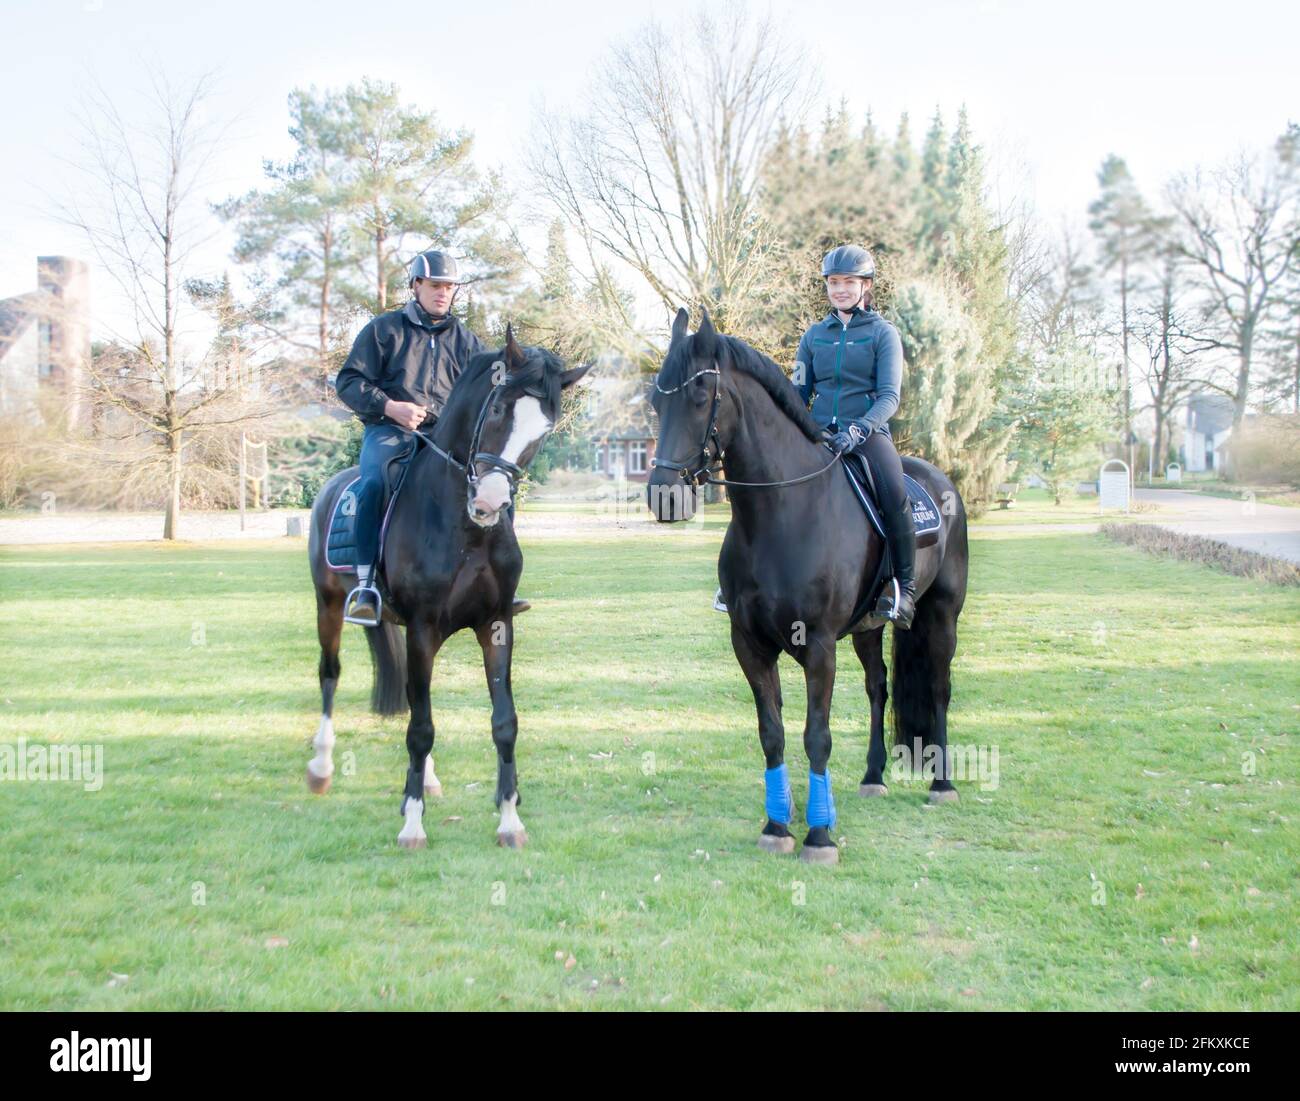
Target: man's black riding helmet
(435, 265)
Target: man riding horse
(396, 379)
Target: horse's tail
(922, 660)
(388, 657)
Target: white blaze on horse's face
(493, 492)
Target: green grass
(1035, 506)
(1123, 694)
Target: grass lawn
(1138, 852)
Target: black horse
(451, 561)
(796, 558)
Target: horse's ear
(569, 377)
(514, 354)
(679, 326)
(706, 338)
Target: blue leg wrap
(821, 803)
(780, 799)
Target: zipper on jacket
(839, 360)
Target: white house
(1207, 425)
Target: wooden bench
(1007, 494)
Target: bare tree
(139, 203)
(1241, 231)
(1171, 330)
(661, 172)
(1060, 301)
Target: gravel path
(1268, 529)
(134, 527)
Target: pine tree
(1124, 225)
(298, 226)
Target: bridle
(494, 463)
(701, 475)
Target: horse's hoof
(433, 791)
(869, 791)
(318, 785)
(412, 842)
(820, 854)
(771, 843)
(948, 795)
(516, 840)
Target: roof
(1209, 414)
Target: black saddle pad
(341, 546)
(925, 513)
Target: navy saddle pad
(925, 513)
(341, 546)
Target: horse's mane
(751, 362)
(539, 375)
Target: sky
(1051, 87)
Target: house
(619, 422)
(45, 339)
(1207, 424)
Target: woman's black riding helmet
(849, 260)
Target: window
(599, 457)
(636, 452)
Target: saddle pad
(341, 546)
(925, 514)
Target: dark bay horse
(798, 552)
(451, 562)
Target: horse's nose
(671, 500)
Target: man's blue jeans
(381, 443)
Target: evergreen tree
(1124, 226)
(298, 224)
(1062, 421)
(409, 178)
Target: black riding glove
(847, 440)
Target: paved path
(136, 527)
(1267, 529)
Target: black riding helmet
(849, 260)
(435, 265)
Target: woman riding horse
(850, 367)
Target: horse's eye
(498, 409)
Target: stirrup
(890, 613)
(363, 621)
(718, 604)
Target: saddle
(341, 545)
(925, 519)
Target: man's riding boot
(901, 533)
(363, 605)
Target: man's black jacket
(405, 355)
